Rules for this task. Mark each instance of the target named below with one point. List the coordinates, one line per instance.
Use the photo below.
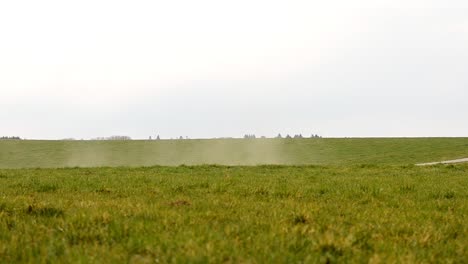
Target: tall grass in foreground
(265, 214)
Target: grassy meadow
(325, 201)
(323, 151)
(220, 214)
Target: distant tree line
(159, 138)
(10, 138)
(252, 136)
(113, 138)
(246, 136)
(176, 138)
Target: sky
(338, 68)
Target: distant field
(215, 214)
(21, 154)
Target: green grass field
(362, 202)
(53, 154)
(216, 214)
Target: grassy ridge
(264, 214)
(19, 154)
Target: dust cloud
(175, 152)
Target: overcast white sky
(226, 68)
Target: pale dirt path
(443, 162)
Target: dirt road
(443, 162)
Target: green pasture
(322, 151)
(220, 214)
